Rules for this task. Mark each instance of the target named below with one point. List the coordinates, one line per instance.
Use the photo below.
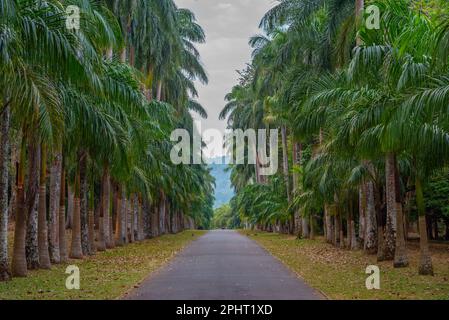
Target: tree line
(363, 121)
(86, 117)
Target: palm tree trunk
(91, 222)
(118, 216)
(106, 205)
(370, 237)
(305, 227)
(101, 243)
(159, 90)
(53, 225)
(162, 213)
(76, 251)
(390, 230)
(124, 216)
(32, 200)
(425, 261)
(140, 221)
(84, 211)
(4, 161)
(19, 264)
(44, 257)
(62, 224)
(131, 206)
(362, 212)
(285, 162)
(70, 204)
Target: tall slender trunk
(84, 211)
(32, 200)
(285, 162)
(102, 224)
(53, 225)
(425, 261)
(106, 205)
(119, 241)
(14, 149)
(140, 219)
(328, 223)
(370, 237)
(19, 263)
(296, 164)
(362, 212)
(400, 254)
(159, 90)
(162, 213)
(130, 217)
(91, 222)
(44, 257)
(70, 204)
(76, 251)
(124, 210)
(390, 230)
(305, 227)
(62, 224)
(4, 161)
(353, 237)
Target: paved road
(224, 265)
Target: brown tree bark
(19, 264)
(425, 261)
(44, 257)
(32, 201)
(5, 274)
(53, 225)
(76, 251)
(62, 223)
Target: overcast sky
(228, 25)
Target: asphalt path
(224, 265)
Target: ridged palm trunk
(328, 224)
(162, 213)
(32, 201)
(352, 239)
(370, 228)
(101, 243)
(70, 204)
(425, 261)
(296, 163)
(105, 209)
(140, 219)
(91, 222)
(76, 251)
(4, 161)
(19, 263)
(390, 227)
(119, 236)
(394, 239)
(285, 162)
(44, 256)
(84, 207)
(53, 217)
(62, 223)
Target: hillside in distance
(223, 189)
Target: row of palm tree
(363, 119)
(86, 117)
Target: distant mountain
(223, 189)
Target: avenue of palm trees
(363, 119)
(86, 117)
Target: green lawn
(340, 274)
(108, 275)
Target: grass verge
(340, 274)
(107, 275)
